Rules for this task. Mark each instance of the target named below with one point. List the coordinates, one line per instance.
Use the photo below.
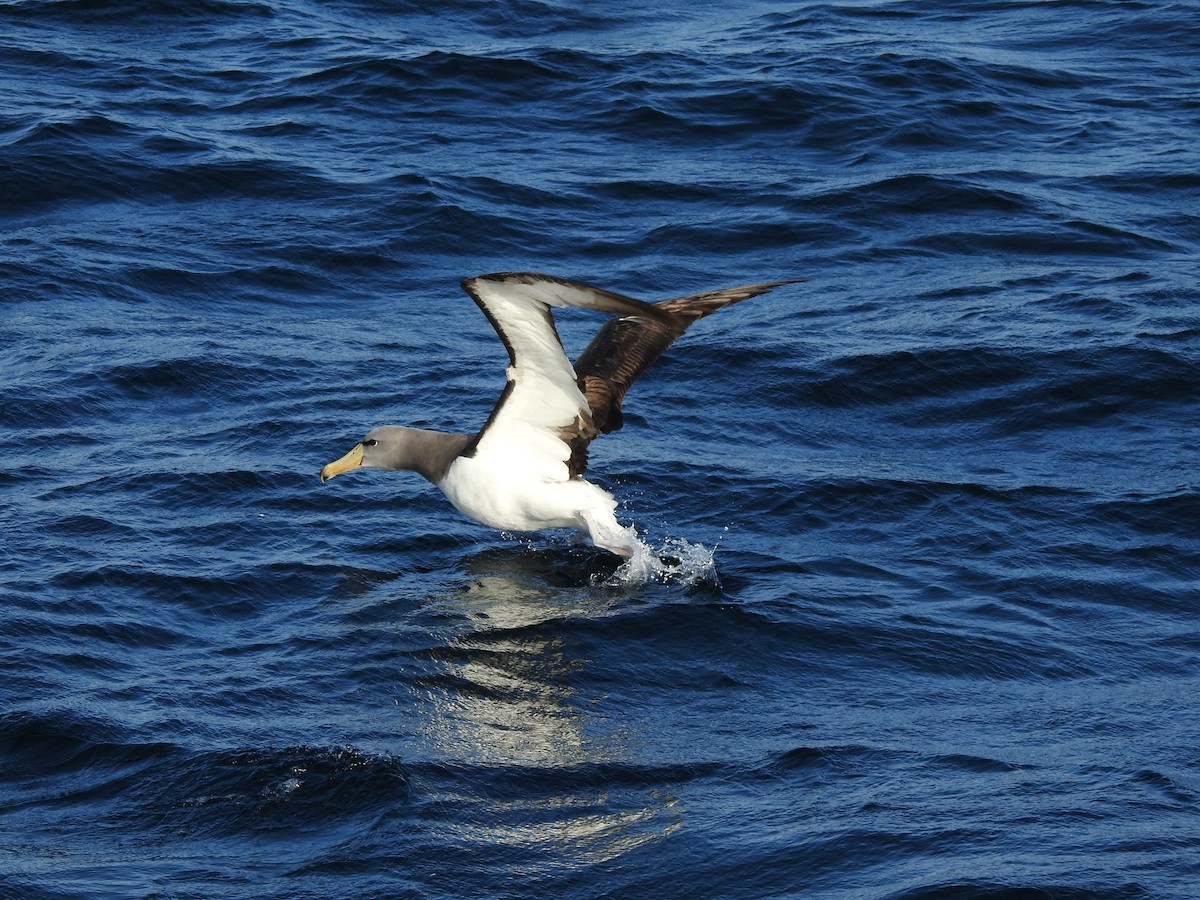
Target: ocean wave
(945, 490)
(98, 160)
(1010, 389)
(79, 12)
(293, 790)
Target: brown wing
(624, 348)
(541, 397)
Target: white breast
(511, 495)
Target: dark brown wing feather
(624, 348)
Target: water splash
(675, 561)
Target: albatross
(523, 471)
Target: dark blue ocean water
(949, 641)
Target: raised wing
(625, 347)
(542, 419)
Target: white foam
(676, 561)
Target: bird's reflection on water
(511, 707)
(506, 692)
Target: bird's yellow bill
(351, 460)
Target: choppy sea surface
(935, 631)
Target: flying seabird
(524, 470)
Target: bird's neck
(428, 453)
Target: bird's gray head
(380, 449)
(395, 447)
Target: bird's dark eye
(370, 442)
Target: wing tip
(511, 278)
